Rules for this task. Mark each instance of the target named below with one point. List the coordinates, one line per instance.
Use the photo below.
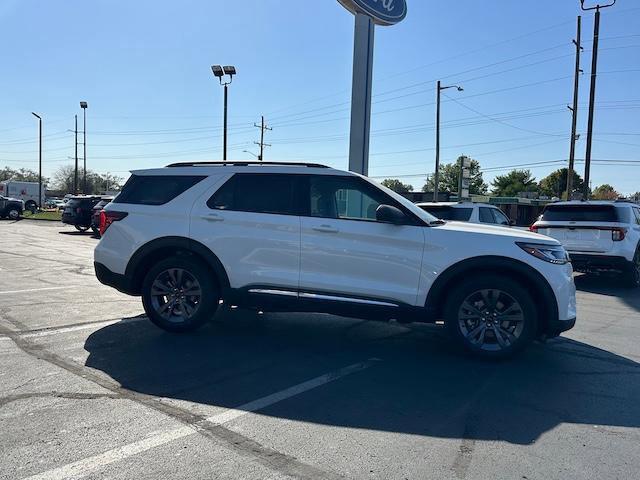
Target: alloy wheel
(176, 295)
(491, 319)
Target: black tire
(475, 324)
(81, 228)
(13, 213)
(156, 305)
(632, 276)
(95, 230)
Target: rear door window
(155, 189)
(580, 213)
(486, 215)
(259, 193)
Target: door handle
(212, 217)
(325, 229)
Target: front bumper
(556, 327)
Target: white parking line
(86, 326)
(86, 466)
(36, 289)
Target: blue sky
(143, 67)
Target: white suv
(467, 212)
(600, 236)
(303, 237)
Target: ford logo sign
(383, 12)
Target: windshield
(425, 216)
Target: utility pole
(436, 176)
(75, 174)
(83, 105)
(261, 143)
(592, 93)
(39, 158)
(574, 112)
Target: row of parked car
(83, 212)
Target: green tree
(20, 175)
(396, 185)
(449, 175)
(514, 182)
(96, 182)
(605, 192)
(555, 184)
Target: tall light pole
(39, 158)
(220, 72)
(592, 92)
(436, 176)
(83, 106)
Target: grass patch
(51, 216)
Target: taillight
(533, 229)
(617, 234)
(108, 217)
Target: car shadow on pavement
(420, 385)
(610, 286)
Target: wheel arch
(164, 247)
(519, 271)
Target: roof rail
(245, 164)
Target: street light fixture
(436, 176)
(39, 158)
(83, 106)
(220, 72)
(252, 154)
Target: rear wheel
(180, 295)
(632, 276)
(81, 228)
(491, 316)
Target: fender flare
(183, 245)
(532, 278)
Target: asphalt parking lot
(89, 388)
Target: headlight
(549, 253)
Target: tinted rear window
(580, 213)
(154, 189)
(450, 213)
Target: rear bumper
(586, 263)
(120, 282)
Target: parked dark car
(95, 216)
(11, 207)
(78, 211)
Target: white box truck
(25, 191)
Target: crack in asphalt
(66, 395)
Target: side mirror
(512, 223)
(390, 214)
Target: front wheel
(491, 316)
(13, 213)
(180, 295)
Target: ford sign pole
(367, 13)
